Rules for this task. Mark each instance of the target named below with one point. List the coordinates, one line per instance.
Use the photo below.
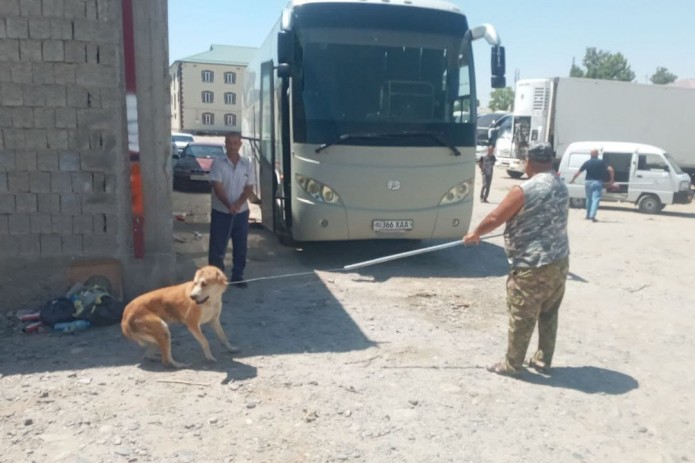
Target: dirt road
(383, 364)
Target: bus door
(266, 174)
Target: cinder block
(66, 118)
(61, 224)
(25, 203)
(96, 119)
(5, 118)
(82, 224)
(43, 73)
(78, 139)
(53, 8)
(9, 50)
(64, 73)
(30, 7)
(3, 182)
(76, 96)
(110, 225)
(111, 183)
(44, 118)
(95, 75)
(25, 161)
(75, 52)
(69, 161)
(35, 139)
(61, 182)
(39, 182)
(20, 73)
(94, 31)
(6, 70)
(23, 117)
(53, 51)
(18, 182)
(4, 226)
(51, 245)
(61, 29)
(107, 54)
(19, 224)
(7, 203)
(75, 9)
(99, 245)
(48, 203)
(96, 161)
(9, 8)
(72, 245)
(14, 138)
(47, 161)
(29, 245)
(33, 96)
(57, 139)
(30, 50)
(40, 223)
(82, 182)
(71, 203)
(39, 28)
(11, 95)
(98, 203)
(17, 28)
(3, 29)
(56, 95)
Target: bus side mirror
(285, 47)
(498, 67)
(284, 70)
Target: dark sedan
(192, 168)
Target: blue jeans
(593, 197)
(222, 228)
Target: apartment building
(207, 89)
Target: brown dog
(194, 303)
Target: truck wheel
(514, 174)
(577, 203)
(649, 204)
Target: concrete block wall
(64, 176)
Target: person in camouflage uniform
(537, 247)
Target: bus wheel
(577, 203)
(514, 174)
(649, 204)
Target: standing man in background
(537, 247)
(487, 166)
(596, 172)
(233, 179)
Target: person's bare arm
(508, 208)
(246, 194)
(611, 173)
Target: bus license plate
(200, 178)
(392, 225)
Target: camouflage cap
(541, 152)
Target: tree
(502, 99)
(602, 64)
(662, 76)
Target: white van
(645, 175)
(181, 140)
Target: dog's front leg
(217, 327)
(200, 337)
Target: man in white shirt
(232, 179)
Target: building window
(208, 76)
(208, 97)
(230, 77)
(208, 119)
(230, 119)
(230, 98)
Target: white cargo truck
(561, 111)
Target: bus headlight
(317, 190)
(457, 193)
(684, 185)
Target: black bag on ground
(57, 311)
(97, 306)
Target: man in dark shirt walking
(487, 166)
(596, 170)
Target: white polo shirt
(233, 178)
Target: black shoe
(239, 282)
(593, 219)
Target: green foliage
(662, 76)
(501, 99)
(601, 64)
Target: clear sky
(541, 37)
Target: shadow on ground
(590, 380)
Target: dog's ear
(221, 277)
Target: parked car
(486, 122)
(192, 168)
(181, 140)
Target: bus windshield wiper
(366, 136)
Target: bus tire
(514, 174)
(649, 204)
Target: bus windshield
(370, 80)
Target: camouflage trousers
(534, 296)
